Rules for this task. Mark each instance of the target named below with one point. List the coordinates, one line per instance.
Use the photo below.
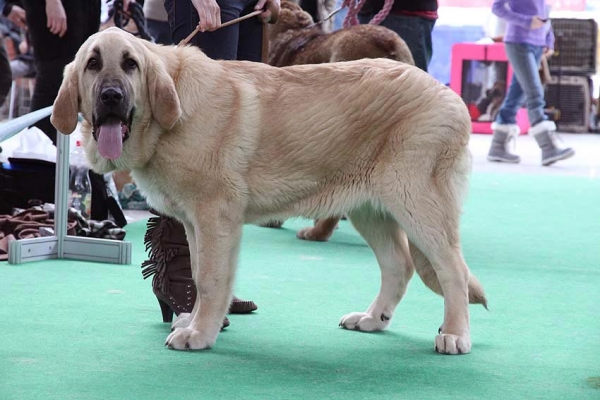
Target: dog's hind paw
(183, 320)
(313, 234)
(365, 322)
(452, 344)
(189, 339)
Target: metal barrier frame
(60, 245)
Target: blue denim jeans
(525, 86)
(415, 31)
(242, 41)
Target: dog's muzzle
(112, 121)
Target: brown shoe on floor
(239, 306)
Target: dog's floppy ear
(162, 94)
(66, 105)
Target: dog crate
(570, 95)
(480, 74)
(576, 46)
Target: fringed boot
(169, 263)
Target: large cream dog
(217, 144)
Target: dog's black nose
(111, 96)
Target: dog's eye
(130, 63)
(93, 63)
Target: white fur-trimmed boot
(503, 133)
(545, 135)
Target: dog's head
(291, 17)
(119, 85)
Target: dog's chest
(157, 193)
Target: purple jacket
(518, 15)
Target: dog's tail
(430, 279)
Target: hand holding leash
(233, 21)
(270, 15)
(209, 13)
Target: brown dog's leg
(322, 230)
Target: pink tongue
(110, 140)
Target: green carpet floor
(77, 330)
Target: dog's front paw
(446, 343)
(189, 339)
(365, 322)
(182, 321)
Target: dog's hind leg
(428, 209)
(389, 243)
(322, 230)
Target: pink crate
(484, 56)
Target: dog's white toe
(365, 322)
(183, 320)
(452, 344)
(189, 339)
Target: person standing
(528, 36)
(57, 28)
(412, 20)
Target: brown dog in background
(295, 39)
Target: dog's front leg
(183, 320)
(218, 234)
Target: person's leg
(415, 31)
(250, 36)
(221, 44)
(526, 83)
(525, 61)
(53, 53)
(505, 126)
(6, 76)
(160, 31)
(512, 102)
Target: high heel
(167, 313)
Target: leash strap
(265, 33)
(233, 21)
